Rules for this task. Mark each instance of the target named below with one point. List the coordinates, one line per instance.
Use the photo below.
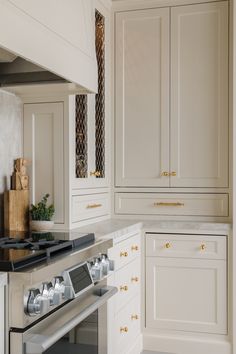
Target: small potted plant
(41, 215)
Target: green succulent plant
(41, 211)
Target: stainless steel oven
(59, 307)
(58, 333)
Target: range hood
(22, 72)
(21, 77)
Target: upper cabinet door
(142, 98)
(89, 116)
(199, 95)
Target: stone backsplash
(11, 136)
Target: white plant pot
(41, 225)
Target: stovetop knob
(36, 303)
(48, 291)
(59, 287)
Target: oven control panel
(70, 284)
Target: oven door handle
(37, 344)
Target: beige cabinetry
(199, 95)
(142, 97)
(186, 283)
(125, 309)
(44, 148)
(173, 204)
(177, 58)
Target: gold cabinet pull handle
(168, 174)
(135, 279)
(92, 206)
(95, 173)
(134, 317)
(124, 329)
(165, 174)
(124, 288)
(203, 247)
(165, 204)
(134, 248)
(168, 245)
(123, 254)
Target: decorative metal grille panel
(81, 120)
(100, 96)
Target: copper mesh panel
(100, 97)
(81, 119)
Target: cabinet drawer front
(126, 251)
(127, 325)
(186, 246)
(89, 206)
(127, 280)
(173, 204)
(186, 294)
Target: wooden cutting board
(16, 210)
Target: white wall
(10, 140)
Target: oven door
(57, 333)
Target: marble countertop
(118, 229)
(112, 228)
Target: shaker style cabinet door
(186, 295)
(199, 95)
(44, 148)
(142, 98)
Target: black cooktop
(17, 253)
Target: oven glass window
(83, 339)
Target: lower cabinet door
(186, 294)
(127, 326)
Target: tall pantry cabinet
(171, 116)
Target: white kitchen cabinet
(142, 97)
(188, 146)
(124, 310)
(199, 95)
(44, 148)
(184, 293)
(172, 204)
(45, 30)
(89, 117)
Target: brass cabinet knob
(203, 247)
(124, 329)
(95, 173)
(134, 248)
(135, 279)
(165, 174)
(123, 254)
(134, 317)
(168, 174)
(168, 245)
(124, 288)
